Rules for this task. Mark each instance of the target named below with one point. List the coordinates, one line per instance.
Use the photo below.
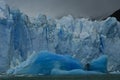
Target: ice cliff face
(15, 43)
(81, 38)
(20, 43)
(4, 36)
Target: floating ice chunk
(73, 72)
(99, 65)
(44, 62)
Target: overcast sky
(58, 8)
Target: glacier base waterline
(64, 77)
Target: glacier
(82, 38)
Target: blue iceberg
(44, 62)
(99, 65)
(73, 72)
(47, 63)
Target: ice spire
(3, 9)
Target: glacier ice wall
(20, 43)
(4, 36)
(84, 39)
(15, 43)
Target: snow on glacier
(3, 9)
(84, 39)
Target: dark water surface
(67, 77)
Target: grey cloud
(58, 8)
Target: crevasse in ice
(84, 39)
